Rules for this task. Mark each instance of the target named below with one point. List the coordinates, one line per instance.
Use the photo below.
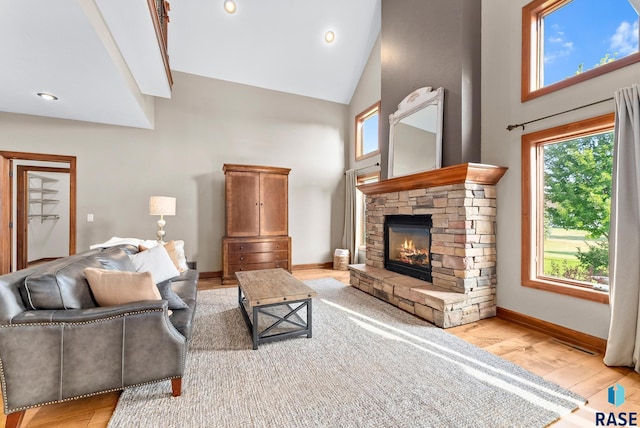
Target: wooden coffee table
(279, 297)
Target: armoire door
(274, 209)
(242, 203)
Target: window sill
(567, 290)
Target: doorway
(15, 213)
(42, 214)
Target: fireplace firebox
(407, 245)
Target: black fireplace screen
(408, 245)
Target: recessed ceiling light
(329, 36)
(230, 6)
(46, 96)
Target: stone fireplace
(460, 201)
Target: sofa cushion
(157, 261)
(112, 288)
(167, 293)
(115, 258)
(182, 320)
(60, 286)
(185, 286)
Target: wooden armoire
(257, 220)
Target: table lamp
(162, 206)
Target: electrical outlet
(89, 217)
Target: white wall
(501, 106)
(206, 123)
(367, 93)
(49, 237)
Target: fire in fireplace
(407, 245)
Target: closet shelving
(41, 195)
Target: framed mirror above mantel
(415, 133)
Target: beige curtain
(623, 344)
(349, 234)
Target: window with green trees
(566, 204)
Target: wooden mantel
(474, 173)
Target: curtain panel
(623, 343)
(349, 234)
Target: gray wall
(434, 43)
(206, 123)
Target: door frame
(22, 210)
(6, 199)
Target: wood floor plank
(599, 381)
(575, 370)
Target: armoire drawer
(243, 258)
(233, 268)
(259, 247)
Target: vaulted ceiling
(101, 57)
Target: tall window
(569, 41)
(566, 197)
(367, 132)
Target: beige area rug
(368, 364)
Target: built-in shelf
(39, 195)
(43, 201)
(45, 216)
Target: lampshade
(162, 205)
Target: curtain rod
(370, 166)
(518, 125)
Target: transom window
(568, 41)
(566, 199)
(367, 132)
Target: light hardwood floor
(571, 368)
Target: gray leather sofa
(73, 348)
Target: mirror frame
(416, 101)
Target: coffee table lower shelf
(290, 317)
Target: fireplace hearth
(407, 244)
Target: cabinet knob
(241, 258)
(277, 257)
(241, 247)
(241, 268)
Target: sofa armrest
(87, 351)
(89, 314)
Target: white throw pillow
(157, 261)
(182, 258)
